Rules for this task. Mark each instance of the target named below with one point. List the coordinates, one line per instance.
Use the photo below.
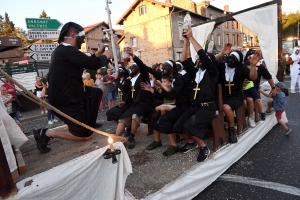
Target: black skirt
(86, 112)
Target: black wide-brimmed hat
(65, 29)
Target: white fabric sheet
(191, 183)
(87, 177)
(263, 22)
(201, 34)
(11, 135)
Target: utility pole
(111, 33)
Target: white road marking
(261, 183)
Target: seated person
(250, 94)
(166, 85)
(231, 76)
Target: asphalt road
(270, 170)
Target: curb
(33, 118)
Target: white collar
(199, 75)
(66, 44)
(133, 80)
(229, 73)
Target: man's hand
(274, 92)
(108, 54)
(121, 104)
(253, 60)
(226, 49)
(146, 87)
(100, 51)
(157, 82)
(189, 34)
(130, 51)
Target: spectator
(84, 74)
(99, 84)
(109, 84)
(11, 90)
(8, 100)
(89, 81)
(50, 114)
(38, 89)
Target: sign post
(43, 34)
(43, 23)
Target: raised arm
(226, 50)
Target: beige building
(153, 28)
(93, 35)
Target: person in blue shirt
(279, 104)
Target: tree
(7, 26)
(44, 15)
(290, 24)
(21, 33)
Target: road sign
(44, 47)
(43, 34)
(42, 23)
(41, 56)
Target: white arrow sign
(43, 34)
(45, 47)
(41, 56)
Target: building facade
(153, 28)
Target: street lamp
(111, 34)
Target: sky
(88, 12)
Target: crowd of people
(183, 93)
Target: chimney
(168, 2)
(226, 9)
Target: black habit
(141, 101)
(66, 90)
(203, 108)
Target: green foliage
(7, 27)
(290, 24)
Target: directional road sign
(44, 47)
(43, 34)
(42, 23)
(41, 56)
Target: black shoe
(153, 145)
(98, 125)
(203, 154)
(127, 132)
(42, 140)
(188, 147)
(131, 141)
(263, 116)
(232, 135)
(171, 150)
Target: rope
(50, 107)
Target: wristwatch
(273, 87)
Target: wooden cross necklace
(229, 82)
(196, 89)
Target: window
(211, 16)
(178, 55)
(212, 36)
(180, 30)
(237, 25)
(219, 40)
(133, 41)
(233, 39)
(226, 24)
(237, 39)
(227, 38)
(143, 10)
